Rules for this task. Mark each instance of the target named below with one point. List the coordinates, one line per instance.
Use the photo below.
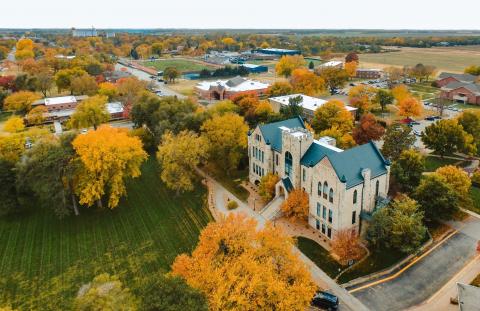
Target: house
(308, 103)
(277, 52)
(60, 103)
(82, 33)
(252, 68)
(332, 64)
(446, 77)
(461, 92)
(227, 89)
(343, 186)
(368, 73)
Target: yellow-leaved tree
(410, 107)
(306, 82)
(14, 124)
(90, 112)
(332, 114)
(20, 101)
(351, 68)
(287, 64)
(362, 97)
(108, 156)
(239, 267)
(178, 156)
(296, 205)
(266, 189)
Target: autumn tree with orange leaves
(296, 205)
(410, 107)
(368, 129)
(108, 157)
(306, 82)
(346, 245)
(288, 63)
(240, 267)
(362, 97)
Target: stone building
(227, 89)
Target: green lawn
(377, 261)
(182, 65)
(432, 163)
(232, 182)
(319, 256)
(4, 116)
(37, 244)
(475, 195)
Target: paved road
(428, 275)
(145, 76)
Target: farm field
(183, 65)
(453, 59)
(38, 245)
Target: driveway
(429, 274)
(146, 77)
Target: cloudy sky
(320, 14)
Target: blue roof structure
(348, 164)
(288, 184)
(272, 134)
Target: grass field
(432, 163)
(475, 195)
(183, 65)
(445, 59)
(319, 256)
(39, 245)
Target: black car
(430, 118)
(324, 300)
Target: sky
(292, 14)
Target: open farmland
(453, 59)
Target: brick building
(446, 77)
(467, 93)
(368, 73)
(227, 89)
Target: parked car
(437, 117)
(352, 84)
(430, 118)
(325, 301)
(417, 133)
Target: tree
(296, 205)
(169, 293)
(36, 116)
(458, 180)
(384, 98)
(343, 140)
(8, 192)
(227, 139)
(332, 113)
(105, 292)
(24, 49)
(311, 65)
(362, 97)
(473, 70)
(334, 77)
(83, 85)
(437, 198)
(398, 226)
(44, 81)
(179, 155)
(446, 137)
(368, 129)
(264, 111)
(352, 57)
(288, 63)
(280, 89)
(410, 107)
(306, 82)
(108, 156)
(266, 189)
(398, 137)
(12, 147)
(170, 74)
(130, 90)
(49, 172)
(408, 170)
(90, 112)
(470, 121)
(63, 78)
(401, 92)
(346, 245)
(351, 69)
(394, 74)
(293, 109)
(157, 48)
(14, 124)
(108, 89)
(20, 101)
(232, 266)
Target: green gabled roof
(349, 164)
(272, 134)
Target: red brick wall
(61, 106)
(443, 82)
(472, 98)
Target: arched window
(355, 197)
(325, 190)
(319, 190)
(288, 163)
(330, 195)
(377, 187)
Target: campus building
(308, 103)
(362, 73)
(459, 88)
(446, 77)
(344, 186)
(277, 52)
(227, 89)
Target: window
(330, 216)
(318, 209)
(263, 154)
(324, 213)
(354, 217)
(323, 228)
(253, 168)
(329, 232)
(317, 223)
(304, 174)
(319, 189)
(288, 163)
(330, 195)
(325, 190)
(276, 159)
(377, 186)
(263, 172)
(355, 197)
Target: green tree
(266, 189)
(311, 65)
(90, 112)
(293, 109)
(8, 192)
(470, 121)
(437, 198)
(83, 85)
(447, 136)
(407, 170)
(171, 73)
(334, 77)
(384, 98)
(280, 89)
(397, 138)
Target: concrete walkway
(219, 196)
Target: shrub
(232, 205)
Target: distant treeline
(227, 71)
